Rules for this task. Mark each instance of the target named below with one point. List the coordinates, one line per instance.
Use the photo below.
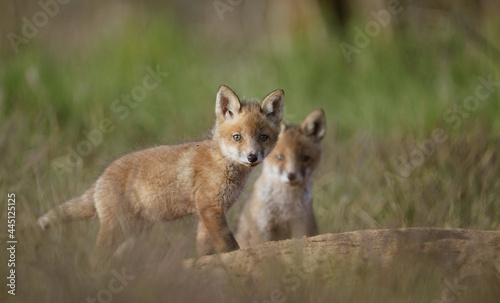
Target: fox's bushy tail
(78, 208)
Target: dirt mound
(443, 265)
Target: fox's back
(146, 182)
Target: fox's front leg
(214, 229)
(204, 243)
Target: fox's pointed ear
(314, 125)
(272, 105)
(227, 104)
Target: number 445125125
(11, 215)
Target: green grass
(379, 107)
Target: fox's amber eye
(305, 158)
(264, 138)
(280, 157)
(237, 137)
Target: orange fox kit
(280, 206)
(169, 182)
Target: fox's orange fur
(170, 182)
(280, 206)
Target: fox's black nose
(252, 158)
(292, 176)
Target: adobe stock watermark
(453, 116)
(363, 36)
(223, 6)
(115, 286)
(29, 28)
(121, 107)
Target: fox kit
(280, 206)
(169, 182)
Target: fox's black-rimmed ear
(314, 125)
(227, 104)
(272, 105)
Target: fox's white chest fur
(283, 203)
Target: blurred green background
(387, 74)
(390, 75)
(383, 89)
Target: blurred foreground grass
(379, 169)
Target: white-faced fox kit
(280, 206)
(170, 182)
